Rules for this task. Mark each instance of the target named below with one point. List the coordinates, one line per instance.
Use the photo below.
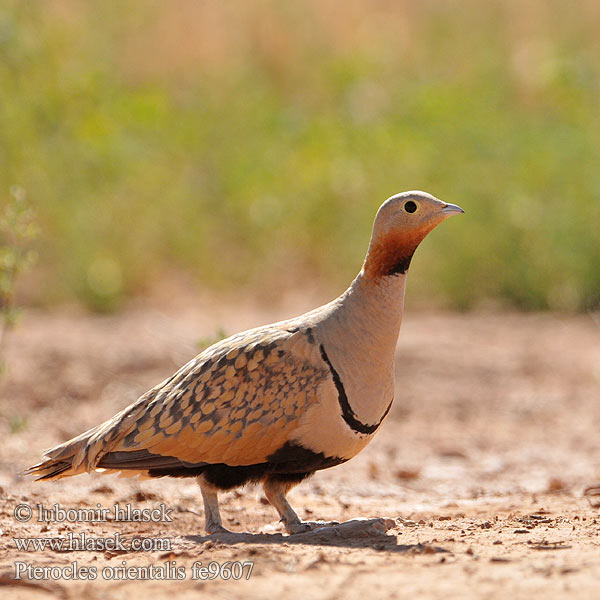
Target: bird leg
(275, 490)
(212, 516)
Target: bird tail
(83, 453)
(58, 462)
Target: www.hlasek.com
(168, 570)
(80, 542)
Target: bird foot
(356, 528)
(216, 528)
(305, 526)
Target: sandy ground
(479, 470)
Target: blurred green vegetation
(251, 143)
(18, 231)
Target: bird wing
(237, 403)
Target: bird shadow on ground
(357, 533)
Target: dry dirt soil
(479, 473)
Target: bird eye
(410, 206)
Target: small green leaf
(205, 342)
(18, 423)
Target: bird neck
(359, 333)
(390, 254)
(375, 307)
(364, 322)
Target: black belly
(292, 462)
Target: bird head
(401, 223)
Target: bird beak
(452, 209)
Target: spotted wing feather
(237, 403)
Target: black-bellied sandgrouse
(275, 403)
